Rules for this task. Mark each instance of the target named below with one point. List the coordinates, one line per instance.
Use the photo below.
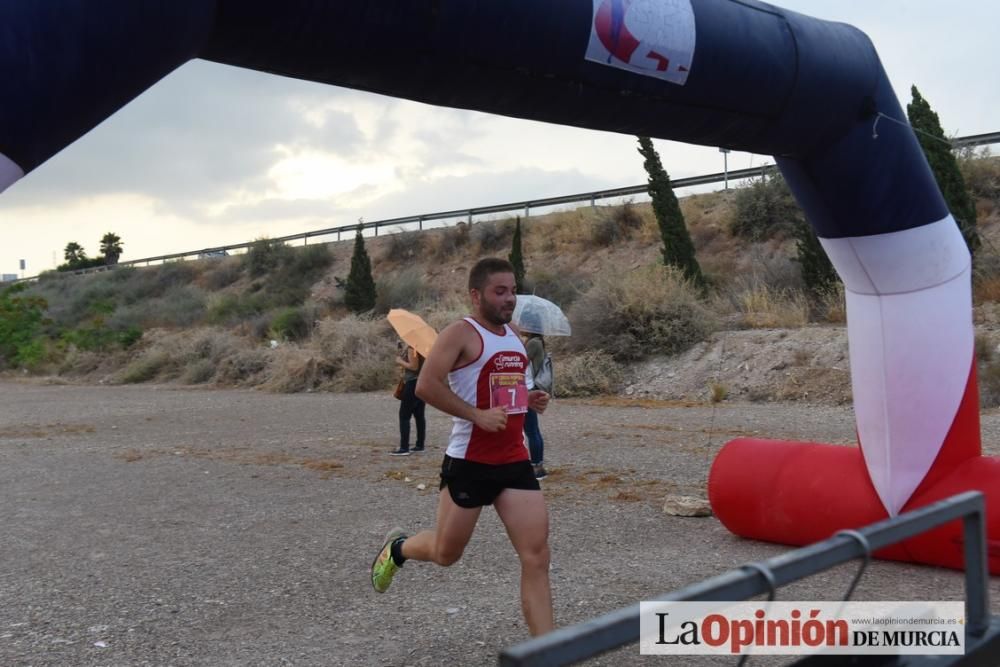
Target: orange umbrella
(413, 330)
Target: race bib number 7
(509, 391)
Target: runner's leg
(446, 542)
(527, 521)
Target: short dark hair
(486, 267)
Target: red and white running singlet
(495, 378)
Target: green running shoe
(383, 567)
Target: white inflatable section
(909, 326)
(9, 172)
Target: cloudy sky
(213, 155)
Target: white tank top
(495, 378)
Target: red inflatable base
(798, 493)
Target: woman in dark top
(534, 345)
(410, 405)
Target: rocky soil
(156, 525)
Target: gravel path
(153, 525)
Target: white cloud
(214, 155)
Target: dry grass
(717, 392)
(590, 260)
(764, 307)
(293, 369)
(586, 374)
(632, 315)
(44, 430)
(447, 310)
(612, 401)
(320, 465)
(359, 351)
(832, 305)
(986, 289)
(240, 456)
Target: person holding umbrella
(410, 405)
(534, 344)
(419, 337)
(476, 372)
(536, 317)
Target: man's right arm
(433, 387)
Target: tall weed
(406, 289)
(589, 373)
(641, 313)
(361, 351)
(764, 307)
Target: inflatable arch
(739, 74)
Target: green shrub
(989, 384)
(145, 368)
(179, 307)
(222, 273)
(264, 255)
(589, 373)
(559, 287)
(606, 232)
(403, 246)
(290, 282)
(615, 225)
(259, 326)
(232, 308)
(405, 289)
(93, 335)
(292, 324)
(22, 318)
(641, 313)
(154, 281)
(765, 208)
(242, 367)
(492, 236)
(981, 171)
(129, 336)
(198, 372)
(451, 240)
(360, 350)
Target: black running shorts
(474, 484)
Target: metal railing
(572, 644)
(468, 213)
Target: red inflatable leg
(798, 493)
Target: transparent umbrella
(534, 314)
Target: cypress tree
(359, 290)
(516, 258)
(678, 250)
(817, 271)
(937, 148)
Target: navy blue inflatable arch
(732, 73)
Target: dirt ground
(154, 525)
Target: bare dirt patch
(231, 527)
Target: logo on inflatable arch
(649, 37)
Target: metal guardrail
(976, 140)
(572, 644)
(469, 213)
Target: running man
(476, 373)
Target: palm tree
(111, 248)
(74, 253)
